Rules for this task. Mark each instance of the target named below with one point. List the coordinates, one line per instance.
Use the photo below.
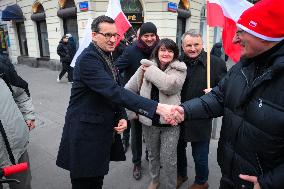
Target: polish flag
(115, 12)
(225, 14)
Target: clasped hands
(121, 126)
(173, 114)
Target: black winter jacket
(195, 83)
(129, 61)
(252, 135)
(64, 52)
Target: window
(22, 38)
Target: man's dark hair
(168, 44)
(101, 19)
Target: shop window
(183, 14)
(70, 26)
(181, 22)
(133, 11)
(43, 38)
(22, 38)
(131, 6)
(68, 13)
(203, 25)
(3, 37)
(39, 17)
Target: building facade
(32, 34)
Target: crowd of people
(151, 90)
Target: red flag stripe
(122, 25)
(215, 16)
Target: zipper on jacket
(245, 76)
(258, 162)
(255, 78)
(260, 76)
(260, 103)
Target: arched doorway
(39, 17)
(68, 13)
(133, 11)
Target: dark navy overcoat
(95, 106)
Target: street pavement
(51, 100)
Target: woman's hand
(207, 90)
(121, 126)
(31, 124)
(252, 179)
(144, 67)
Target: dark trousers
(87, 182)
(200, 152)
(136, 141)
(126, 133)
(66, 68)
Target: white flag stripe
(87, 39)
(232, 9)
(114, 8)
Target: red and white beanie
(264, 20)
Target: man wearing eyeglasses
(96, 111)
(251, 99)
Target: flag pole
(208, 54)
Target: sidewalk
(51, 100)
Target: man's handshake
(173, 114)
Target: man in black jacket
(66, 51)
(128, 63)
(218, 50)
(198, 132)
(251, 99)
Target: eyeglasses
(108, 36)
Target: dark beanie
(148, 27)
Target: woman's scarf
(145, 48)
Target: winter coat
(129, 61)
(94, 110)
(168, 82)
(217, 50)
(72, 47)
(64, 52)
(252, 134)
(13, 122)
(195, 83)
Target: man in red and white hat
(251, 100)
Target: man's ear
(94, 36)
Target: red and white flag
(225, 14)
(115, 12)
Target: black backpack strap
(8, 147)
(2, 76)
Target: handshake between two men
(173, 114)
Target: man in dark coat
(198, 132)
(251, 99)
(218, 50)
(95, 110)
(128, 63)
(66, 51)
